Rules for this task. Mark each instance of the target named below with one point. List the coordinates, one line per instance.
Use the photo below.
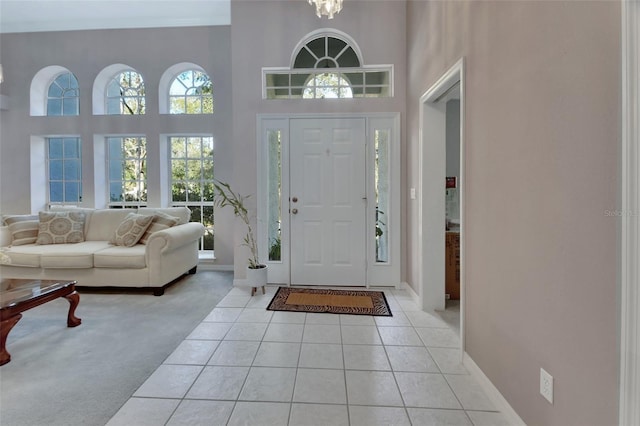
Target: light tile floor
(244, 365)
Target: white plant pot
(257, 277)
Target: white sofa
(167, 255)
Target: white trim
(40, 88)
(99, 91)
(629, 413)
(412, 293)
(210, 266)
(502, 405)
(455, 75)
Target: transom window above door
(327, 65)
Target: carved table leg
(74, 299)
(5, 328)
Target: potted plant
(226, 197)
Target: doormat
(351, 302)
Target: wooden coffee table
(18, 295)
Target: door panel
(327, 180)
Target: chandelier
(327, 7)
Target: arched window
(63, 96)
(326, 52)
(125, 94)
(327, 85)
(191, 92)
(327, 64)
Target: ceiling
(63, 15)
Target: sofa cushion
(27, 255)
(61, 227)
(131, 230)
(160, 221)
(182, 213)
(121, 257)
(23, 228)
(104, 223)
(75, 256)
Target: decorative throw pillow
(131, 230)
(160, 221)
(61, 227)
(23, 229)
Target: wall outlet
(546, 385)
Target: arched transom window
(125, 94)
(326, 52)
(325, 66)
(191, 92)
(63, 95)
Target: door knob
(294, 211)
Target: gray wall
(86, 53)
(542, 121)
(265, 34)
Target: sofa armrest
(175, 237)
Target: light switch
(413, 193)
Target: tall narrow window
(125, 94)
(382, 182)
(191, 92)
(274, 194)
(63, 97)
(64, 170)
(192, 181)
(127, 163)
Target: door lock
(294, 199)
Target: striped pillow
(160, 221)
(23, 228)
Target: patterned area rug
(330, 301)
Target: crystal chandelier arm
(327, 7)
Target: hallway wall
(542, 147)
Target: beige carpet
(83, 375)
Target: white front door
(328, 201)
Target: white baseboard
(208, 266)
(239, 282)
(414, 296)
(492, 392)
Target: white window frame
(63, 180)
(124, 203)
(140, 98)
(208, 229)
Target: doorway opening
(441, 209)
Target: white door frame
(629, 413)
(431, 205)
(378, 274)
